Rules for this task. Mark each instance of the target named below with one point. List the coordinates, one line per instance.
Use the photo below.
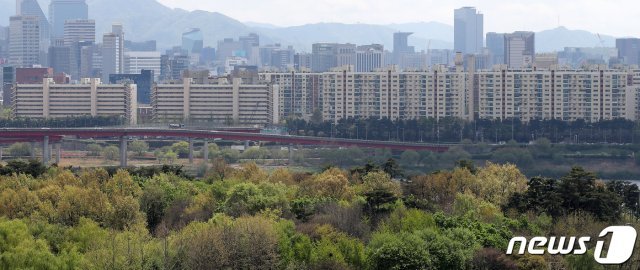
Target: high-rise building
(24, 41)
(143, 79)
(228, 48)
(303, 61)
(8, 79)
(628, 50)
(249, 43)
(495, 46)
(401, 46)
(192, 41)
(520, 49)
(4, 44)
(369, 57)
(60, 57)
(331, 55)
(113, 52)
(61, 11)
(79, 30)
(172, 65)
(299, 92)
(468, 30)
(32, 8)
(135, 62)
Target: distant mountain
(558, 38)
(301, 37)
(148, 19)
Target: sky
(612, 17)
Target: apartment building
(89, 97)
(567, 95)
(395, 95)
(219, 100)
(300, 93)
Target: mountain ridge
(165, 25)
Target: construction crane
(602, 48)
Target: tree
(331, 183)
(20, 149)
(139, 147)
(181, 148)
(94, 149)
(409, 158)
(170, 157)
(398, 251)
(111, 152)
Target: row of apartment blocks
(568, 95)
(266, 98)
(89, 97)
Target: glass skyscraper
(192, 40)
(63, 10)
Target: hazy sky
(614, 17)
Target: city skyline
(500, 16)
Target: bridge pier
(205, 151)
(58, 152)
(246, 145)
(1, 152)
(190, 150)
(45, 151)
(123, 151)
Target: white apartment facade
(89, 97)
(221, 101)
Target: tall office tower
(303, 61)
(32, 8)
(495, 45)
(79, 30)
(331, 55)
(369, 57)
(249, 43)
(24, 41)
(77, 34)
(628, 50)
(4, 44)
(60, 57)
(468, 30)
(61, 11)
(520, 49)
(229, 48)
(401, 46)
(192, 41)
(113, 52)
(135, 62)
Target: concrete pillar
(1, 152)
(45, 151)
(246, 145)
(205, 151)
(58, 153)
(123, 151)
(190, 151)
(33, 150)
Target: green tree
(139, 147)
(94, 149)
(111, 152)
(20, 149)
(181, 148)
(398, 252)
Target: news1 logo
(620, 249)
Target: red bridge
(46, 135)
